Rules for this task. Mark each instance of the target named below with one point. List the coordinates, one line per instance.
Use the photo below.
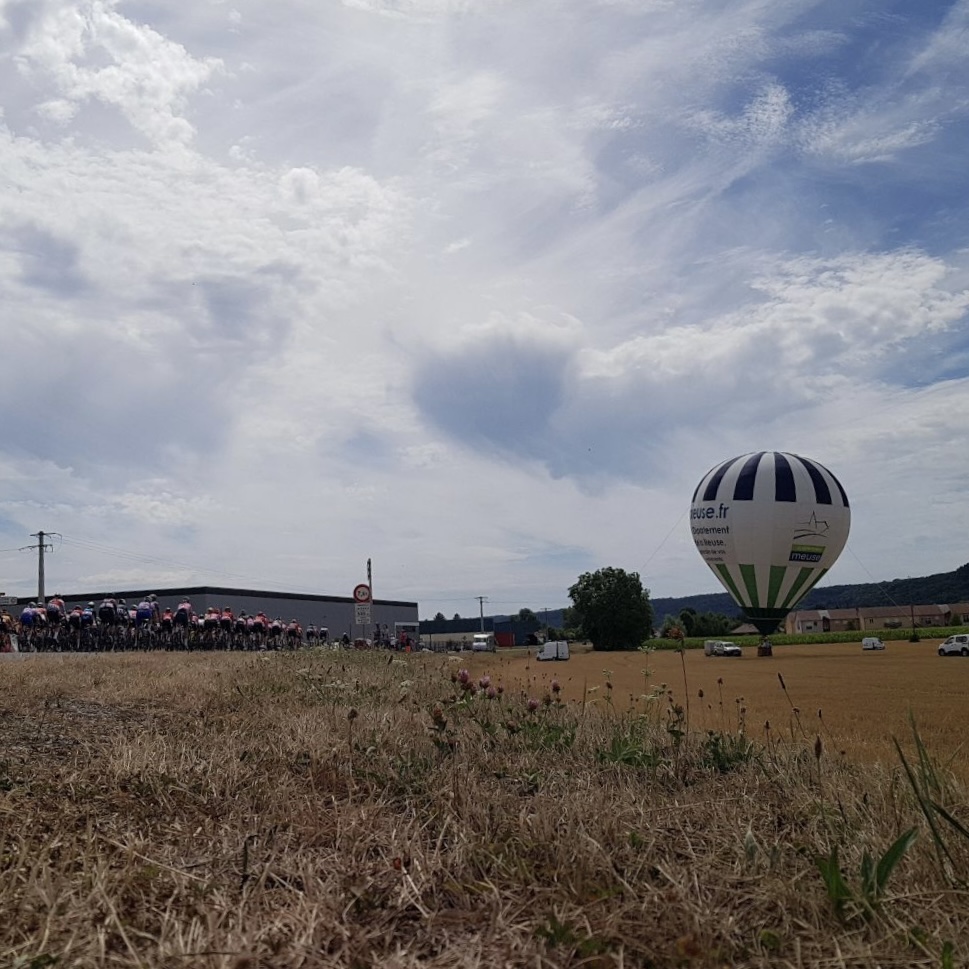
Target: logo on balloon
(806, 553)
(814, 526)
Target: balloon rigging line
(874, 581)
(666, 539)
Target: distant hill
(943, 587)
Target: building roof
(211, 590)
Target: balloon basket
(765, 649)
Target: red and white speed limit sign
(361, 593)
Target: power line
(100, 548)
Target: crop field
(857, 701)
(331, 809)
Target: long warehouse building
(335, 613)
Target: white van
(872, 642)
(484, 643)
(557, 649)
(957, 645)
(720, 647)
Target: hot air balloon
(770, 525)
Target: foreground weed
(864, 899)
(948, 956)
(630, 747)
(929, 787)
(542, 734)
(795, 711)
(726, 752)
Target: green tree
(695, 623)
(612, 608)
(457, 615)
(438, 616)
(526, 615)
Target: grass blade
(892, 857)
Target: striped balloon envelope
(770, 525)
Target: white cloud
(89, 50)
(476, 290)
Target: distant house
(744, 629)
(876, 617)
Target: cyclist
(226, 619)
(108, 611)
(144, 614)
(276, 631)
(211, 621)
(74, 618)
(87, 615)
(167, 620)
(28, 615)
(183, 613)
(56, 610)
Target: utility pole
(373, 617)
(41, 547)
(481, 601)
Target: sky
(476, 289)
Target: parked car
(721, 647)
(872, 642)
(957, 645)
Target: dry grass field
(322, 809)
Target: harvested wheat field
(329, 809)
(857, 701)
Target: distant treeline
(943, 587)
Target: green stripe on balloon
(749, 574)
(818, 576)
(728, 581)
(777, 575)
(793, 593)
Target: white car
(957, 645)
(872, 642)
(723, 648)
